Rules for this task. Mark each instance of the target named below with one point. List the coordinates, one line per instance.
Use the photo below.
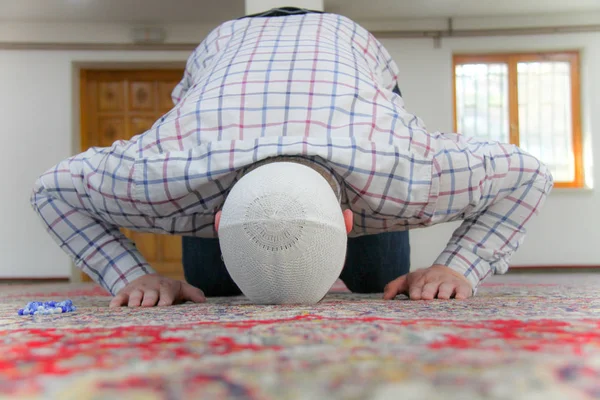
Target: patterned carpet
(521, 337)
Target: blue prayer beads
(47, 307)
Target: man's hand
(426, 284)
(151, 290)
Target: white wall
(81, 32)
(37, 101)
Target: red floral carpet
(521, 337)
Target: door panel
(139, 125)
(164, 95)
(171, 248)
(110, 96)
(110, 129)
(142, 96)
(116, 105)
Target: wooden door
(118, 105)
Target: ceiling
(211, 11)
(388, 9)
(155, 11)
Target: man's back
(313, 75)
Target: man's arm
(496, 189)
(77, 213)
(513, 189)
(96, 247)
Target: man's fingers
(167, 295)
(150, 298)
(415, 290)
(395, 287)
(463, 292)
(192, 293)
(135, 298)
(446, 290)
(429, 291)
(119, 300)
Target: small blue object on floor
(47, 307)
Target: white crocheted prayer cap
(282, 235)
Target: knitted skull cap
(282, 235)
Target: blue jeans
(371, 261)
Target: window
(531, 100)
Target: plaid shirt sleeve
(201, 58)
(62, 200)
(503, 187)
(388, 68)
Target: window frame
(512, 59)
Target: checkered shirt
(316, 86)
